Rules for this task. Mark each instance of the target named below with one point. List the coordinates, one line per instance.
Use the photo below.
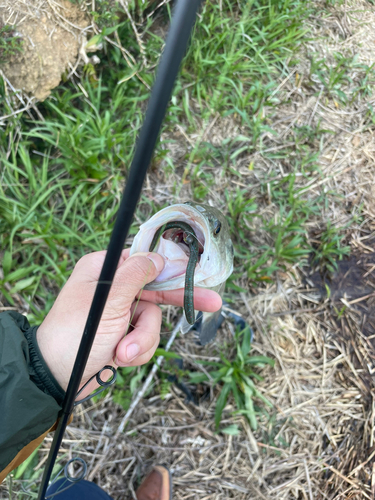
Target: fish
(197, 253)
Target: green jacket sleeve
(29, 405)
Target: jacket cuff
(39, 372)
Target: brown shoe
(156, 486)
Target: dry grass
(322, 385)
(320, 443)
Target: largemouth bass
(197, 252)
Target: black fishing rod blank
(182, 23)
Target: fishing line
(182, 23)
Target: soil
(53, 35)
(351, 286)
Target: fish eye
(217, 227)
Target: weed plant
(328, 249)
(10, 43)
(235, 376)
(337, 81)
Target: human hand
(116, 342)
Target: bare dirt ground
(53, 34)
(322, 385)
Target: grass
(24, 480)
(10, 43)
(235, 377)
(62, 177)
(328, 248)
(344, 79)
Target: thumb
(132, 275)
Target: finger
(139, 345)
(124, 255)
(143, 358)
(131, 276)
(89, 266)
(204, 299)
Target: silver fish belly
(215, 260)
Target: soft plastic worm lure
(189, 237)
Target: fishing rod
(183, 20)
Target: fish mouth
(176, 251)
(178, 236)
(212, 266)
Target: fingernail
(158, 261)
(131, 351)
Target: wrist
(41, 373)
